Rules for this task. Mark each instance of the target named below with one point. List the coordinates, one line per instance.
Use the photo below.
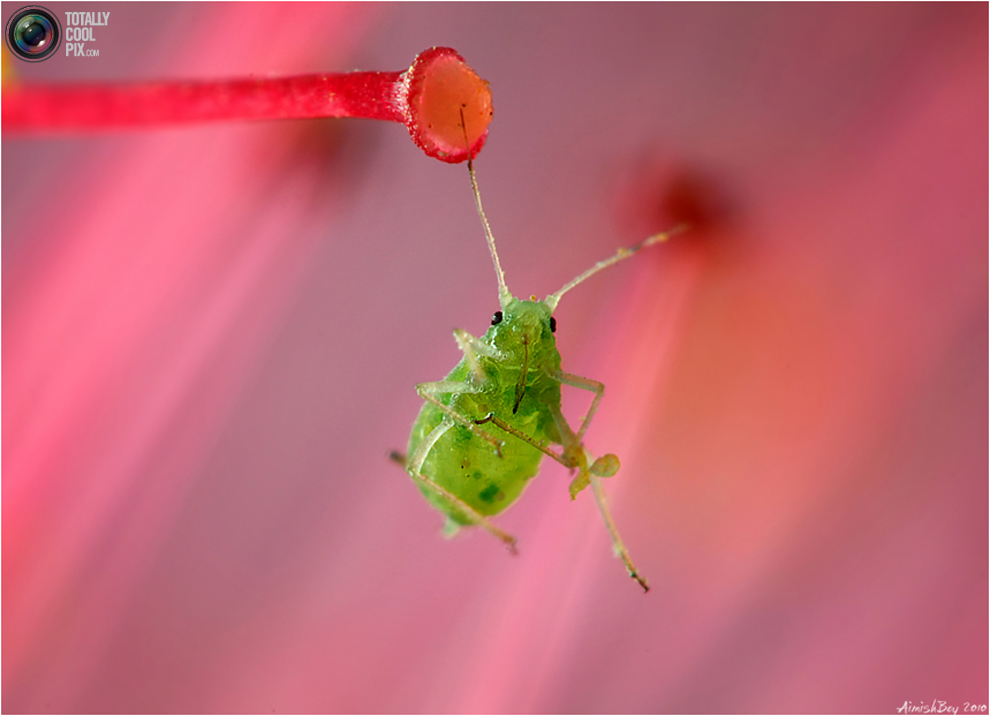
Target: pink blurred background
(211, 337)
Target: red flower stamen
(428, 98)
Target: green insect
(485, 428)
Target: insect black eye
(497, 318)
(553, 324)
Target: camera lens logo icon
(33, 33)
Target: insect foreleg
(589, 475)
(429, 391)
(414, 467)
(613, 531)
(573, 455)
(473, 347)
(594, 386)
(605, 466)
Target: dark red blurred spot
(656, 195)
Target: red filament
(428, 98)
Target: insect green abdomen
(467, 466)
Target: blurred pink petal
(212, 337)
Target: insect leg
(414, 467)
(594, 386)
(617, 545)
(473, 347)
(590, 475)
(429, 391)
(492, 418)
(573, 455)
(605, 466)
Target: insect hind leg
(414, 466)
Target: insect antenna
(623, 253)
(503, 290)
